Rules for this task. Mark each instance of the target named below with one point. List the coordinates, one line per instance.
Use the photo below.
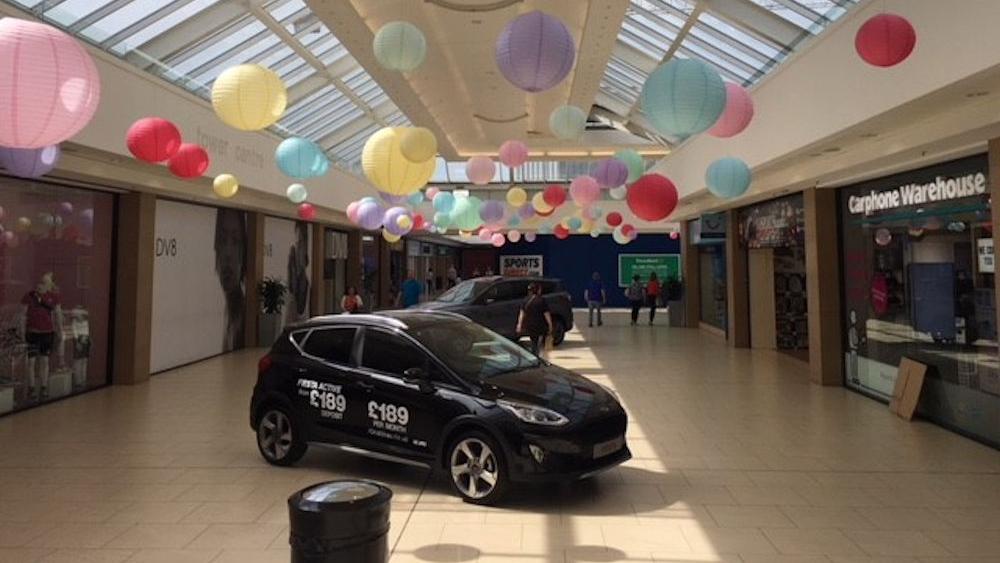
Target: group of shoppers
(638, 294)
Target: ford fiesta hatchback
(433, 389)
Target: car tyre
(477, 468)
(558, 332)
(279, 439)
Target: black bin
(345, 521)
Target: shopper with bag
(635, 294)
(535, 320)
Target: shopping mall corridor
(737, 458)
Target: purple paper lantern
(391, 221)
(392, 199)
(610, 172)
(29, 163)
(491, 212)
(535, 51)
(370, 215)
(526, 212)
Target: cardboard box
(909, 384)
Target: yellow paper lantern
(465, 234)
(418, 144)
(385, 166)
(404, 222)
(249, 97)
(389, 237)
(539, 203)
(517, 197)
(225, 185)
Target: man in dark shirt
(535, 320)
(596, 298)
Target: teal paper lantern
(301, 158)
(635, 163)
(574, 223)
(728, 177)
(567, 122)
(683, 97)
(400, 46)
(465, 213)
(442, 220)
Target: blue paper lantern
(574, 223)
(444, 202)
(416, 199)
(400, 46)
(728, 177)
(301, 158)
(535, 51)
(683, 97)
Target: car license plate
(609, 447)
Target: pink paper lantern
(513, 153)
(736, 116)
(352, 211)
(885, 40)
(50, 88)
(498, 239)
(584, 190)
(430, 192)
(480, 170)
(485, 234)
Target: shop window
(55, 279)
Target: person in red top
(652, 295)
(351, 302)
(41, 322)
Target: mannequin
(41, 323)
(80, 332)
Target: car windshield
(462, 292)
(473, 352)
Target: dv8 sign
(521, 266)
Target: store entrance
(778, 304)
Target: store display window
(55, 291)
(708, 235)
(919, 283)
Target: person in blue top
(411, 291)
(596, 298)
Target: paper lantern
(595, 232)
(297, 193)
(50, 87)
(442, 220)
(443, 202)
(491, 211)
(301, 158)
(249, 97)
(485, 234)
(561, 232)
(498, 240)
(619, 193)
(675, 235)
(370, 215)
(514, 221)
(389, 237)
(539, 204)
(480, 170)
(352, 211)
(614, 219)
(529, 237)
(30, 163)
(513, 153)
(153, 139)
(191, 161)
(517, 197)
(574, 223)
(634, 162)
(431, 192)
(610, 172)
(23, 224)
(225, 185)
(619, 236)
(652, 198)
(400, 46)
(728, 177)
(885, 40)
(307, 212)
(418, 144)
(526, 212)
(385, 166)
(415, 199)
(391, 220)
(392, 199)
(737, 114)
(419, 223)
(514, 235)
(465, 213)
(683, 97)
(584, 190)
(554, 195)
(567, 122)
(535, 51)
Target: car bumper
(562, 457)
(533, 472)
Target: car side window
(392, 354)
(518, 290)
(504, 291)
(331, 344)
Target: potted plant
(272, 299)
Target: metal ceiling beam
(188, 34)
(756, 17)
(338, 69)
(143, 23)
(96, 16)
(382, 111)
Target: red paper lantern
(652, 197)
(560, 232)
(307, 212)
(674, 235)
(628, 230)
(885, 40)
(614, 219)
(153, 139)
(554, 195)
(191, 161)
(419, 223)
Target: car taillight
(264, 364)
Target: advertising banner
(286, 258)
(666, 266)
(984, 249)
(198, 287)
(522, 265)
(774, 224)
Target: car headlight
(533, 414)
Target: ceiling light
(567, 153)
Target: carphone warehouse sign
(521, 265)
(941, 189)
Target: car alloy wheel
(277, 439)
(475, 470)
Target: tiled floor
(737, 458)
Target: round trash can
(343, 521)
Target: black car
(433, 389)
(495, 302)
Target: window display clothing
(42, 321)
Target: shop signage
(777, 223)
(666, 266)
(710, 228)
(941, 189)
(522, 265)
(984, 248)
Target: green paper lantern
(683, 97)
(400, 46)
(635, 163)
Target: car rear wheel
(558, 332)
(476, 467)
(278, 439)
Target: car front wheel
(477, 470)
(278, 439)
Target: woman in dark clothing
(635, 294)
(535, 320)
(652, 295)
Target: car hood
(553, 387)
(439, 306)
